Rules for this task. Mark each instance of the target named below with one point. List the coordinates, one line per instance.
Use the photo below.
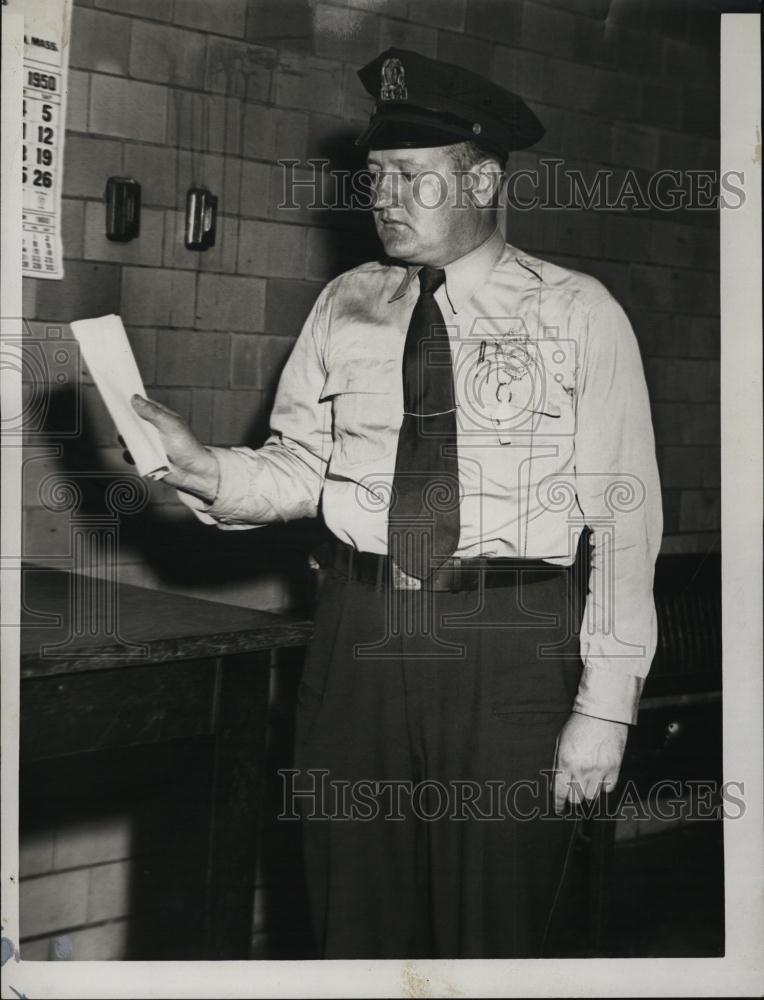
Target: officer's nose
(385, 191)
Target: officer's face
(421, 212)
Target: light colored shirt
(554, 432)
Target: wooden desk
(152, 667)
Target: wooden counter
(106, 666)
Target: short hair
(465, 155)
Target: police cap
(423, 102)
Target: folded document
(111, 363)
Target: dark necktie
(424, 510)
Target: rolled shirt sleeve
(619, 494)
(283, 479)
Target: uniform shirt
(554, 432)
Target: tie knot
(430, 279)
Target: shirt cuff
(233, 484)
(609, 694)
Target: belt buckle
(402, 581)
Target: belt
(454, 575)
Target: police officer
(459, 412)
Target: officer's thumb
(153, 412)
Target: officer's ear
(488, 179)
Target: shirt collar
(464, 274)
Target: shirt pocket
(536, 397)
(366, 411)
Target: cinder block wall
(175, 92)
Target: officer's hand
(192, 467)
(589, 756)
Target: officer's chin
(396, 239)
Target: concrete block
(86, 289)
(329, 254)
(191, 358)
(672, 243)
(635, 147)
(580, 232)
(680, 467)
(88, 162)
(357, 103)
(475, 54)
(220, 257)
(238, 417)
(585, 137)
(109, 894)
(99, 839)
(77, 101)
(281, 25)
(270, 133)
(178, 400)
(257, 360)
(245, 360)
(628, 237)
(712, 471)
(700, 510)
(44, 535)
(157, 297)
(239, 69)
(201, 413)
(681, 152)
(569, 84)
(155, 168)
(701, 111)
(103, 943)
(685, 63)
(72, 226)
(271, 249)
(165, 54)
(230, 303)
(499, 23)
(300, 195)
(255, 189)
(333, 140)
(224, 17)
(35, 846)
(143, 341)
(207, 120)
(144, 249)
(405, 35)
(288, 305)
(159, 10)
(100, 41)
(53, 901)
(439, 13)
(630, 50)
(308, 83)
(128, 108)
(274, 353)
(346, 35)
(661, 104)
(542, 29)
(519, 71)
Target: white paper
(110, 360)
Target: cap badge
(393, 81)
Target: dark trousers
(426, 737)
